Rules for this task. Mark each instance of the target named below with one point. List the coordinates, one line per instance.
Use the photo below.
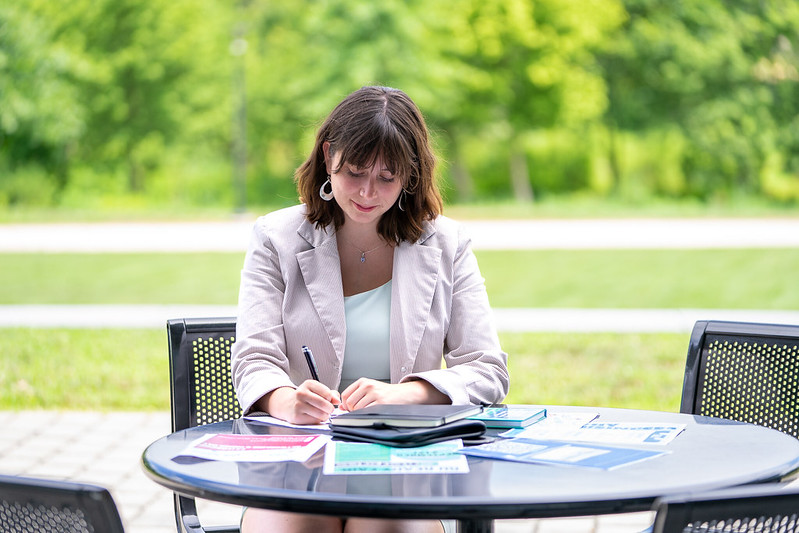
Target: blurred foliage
(720, 78)
(203, 103)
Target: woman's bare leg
(377, 525)
(267, 521)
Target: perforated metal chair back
(755, 508)
(201, 389)
(29, 505)
(199, 364)
(744, 371)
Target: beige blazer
(291, 295)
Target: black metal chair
(744, 371)
(756, 508)
(201, 390)
(29, 505)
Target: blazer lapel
(416, 270)
(322, 276)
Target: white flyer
(555, 424)
(628, 432)
(607, 432)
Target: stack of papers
(574, 438)
(340, 457)
(569, 438)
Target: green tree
(151, 71)
(304, 57)
(41, 118)
(527, 67)
(478, 69)
(722, 73)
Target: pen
(311, 363)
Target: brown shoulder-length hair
(370, 124)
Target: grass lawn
(83, 369)
(146, 278)
(668, 279)
(128, 369)
(719, 279)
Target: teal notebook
(510, 416)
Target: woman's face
(363, 194)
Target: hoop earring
(326, 196)
(399, 202)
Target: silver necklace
(364, 252)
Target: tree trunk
(462, 180)
(135, 174)
(520, 177)
(613, 159)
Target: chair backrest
(201, 390)
(744, 371)
(44, 506)
(199, 367)
(755, 508)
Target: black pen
(311, 363)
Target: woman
(369, 275)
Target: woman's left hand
(365, 392)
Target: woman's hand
(365, 392)
(310, 403)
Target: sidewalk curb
(535, 234)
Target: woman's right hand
(310, 403)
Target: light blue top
(366, 353)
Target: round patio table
(709, 454)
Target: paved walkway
(233, 236)
(105, 448)
(507, 320)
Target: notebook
(510, 417)
(404, 416)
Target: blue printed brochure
(560, 453)
(510, 416)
